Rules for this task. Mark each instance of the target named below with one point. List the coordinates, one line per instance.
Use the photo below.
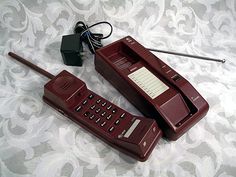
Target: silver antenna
(188, 55)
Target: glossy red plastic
(176, 110)
(133, 135)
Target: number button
(109, 117)
(91, 96)
(78, 108)
(111, 129)
(98, 101)
(91, 117)
(114, 110)
(109, 107)
(103, 114)
(98, 110)
(97, 120)
(92, 107)
(117, 122)
(104, 104)
(86, 113)
(84, 102)
(103, 124)
(122, 116)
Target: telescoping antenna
(31, 65)
(188, 55)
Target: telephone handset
(133, 135)
(151, 85)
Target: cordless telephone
(133, 135)
(155, 88)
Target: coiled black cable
(93, 40)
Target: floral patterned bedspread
(37, 141)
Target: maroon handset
(133, 135)
(151, 85)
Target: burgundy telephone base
(151, 85)
(133, 135)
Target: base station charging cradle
(155, 88)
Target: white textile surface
(37, 141)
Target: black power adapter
(71, 45)
(71, 48)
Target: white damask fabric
(37, 141)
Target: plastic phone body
(156, 89)
(133, 135)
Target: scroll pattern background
(36, 141)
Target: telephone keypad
(101, 112)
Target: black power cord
(72, 47)
(93, 40)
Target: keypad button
(109, 117)
(122, 115)
(103, 124)
(103, 114)
(111, 129)
(84, 102)
(92, 107)
(114, 110)
(109, 107)
(98, 101)
(97, 120)
(91, 117)
(98, 110)
(104, 104)
(117, 122)
(86, 113)
(78, 108)
(91, 96)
